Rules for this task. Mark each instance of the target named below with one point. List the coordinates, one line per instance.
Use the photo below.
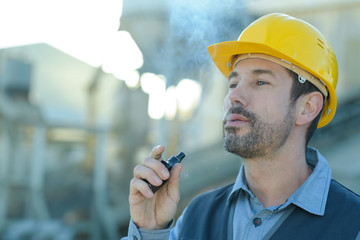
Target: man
(282, 76)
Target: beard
(263, 137)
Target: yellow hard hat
(290, 42)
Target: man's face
(258, 114)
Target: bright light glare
(156, 108)
(86, 30)
(131, 78)
(188, 95)
(185, 96)
(155, 86)
(170, 103)
(121, 53)
(152, 83)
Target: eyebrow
(263, 71)
(255, 72)
(232, 74)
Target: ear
(309, 106)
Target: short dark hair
(298, 89)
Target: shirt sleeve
(135, 233)
(174, 233)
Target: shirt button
(257, 222)
(135, 238)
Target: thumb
(174, 182)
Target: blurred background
(88, 88)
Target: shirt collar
(240, 185)
(310, 196)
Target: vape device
(168, 164)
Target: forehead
(255, 63)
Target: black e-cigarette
(168, 164)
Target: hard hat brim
(222, 53)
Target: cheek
(270, 109)
(274, 111)
(227, 104)
(277, 101)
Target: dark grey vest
(207, 217)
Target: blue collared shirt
(251, 219)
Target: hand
(154, 210)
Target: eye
(261, 83)
(232, 85)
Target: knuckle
(147, 161)
(132, 182)
(137, 169)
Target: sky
(85, 29)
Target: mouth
(235, 120)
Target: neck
(273, 179)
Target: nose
(238, 95)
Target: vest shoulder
(343, 192)
(339, 221)
(206, 216)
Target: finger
(139, 186)
(142, 172)
(157, 152)
(157, 167)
